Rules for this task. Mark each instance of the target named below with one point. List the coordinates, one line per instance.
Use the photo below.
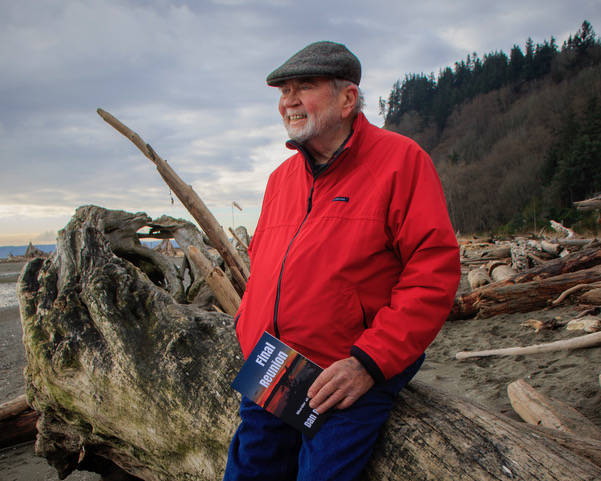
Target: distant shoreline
(6, 252)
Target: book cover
(277, 378)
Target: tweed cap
(319, 59)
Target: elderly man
(354, 264)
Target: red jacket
(360, 260)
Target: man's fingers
(341, 384)
(319, 383)
(330, 402)
(324, 392)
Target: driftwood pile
(130, 360)
(126, 378)
(526, 274)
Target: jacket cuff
(368, 363)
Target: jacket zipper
(277, 296)
(309, 206)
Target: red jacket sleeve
(423, 238)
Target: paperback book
(277, 378)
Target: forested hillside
(516, 139)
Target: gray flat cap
(319, 59)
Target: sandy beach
(570, 376)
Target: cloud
(189, 77)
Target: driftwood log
(124, 376)
(190, 200)
(507, 297)
(535, 408)
(580, 342)
(592, 296)
(240, 242)
(187, 235)
(499, 271)
(18, 429)
(215, 277)
(13, 407)
(593, 203)
(478, 278)
(584, 259)
(17, 422)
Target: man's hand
(339, 385)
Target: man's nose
(291, 99)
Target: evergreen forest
(516, 138)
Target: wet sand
(570, 376)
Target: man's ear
(350, 95)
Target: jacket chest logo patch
(340, 199)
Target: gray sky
(189, 77)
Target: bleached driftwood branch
(191, 201)
(589, 340)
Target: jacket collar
(356, 128)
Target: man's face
(308, 108)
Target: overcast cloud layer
(189, 77)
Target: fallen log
(573, 289)
(186, 235)
(526, 297)
(593, 203)
(215, 277)
(13, 407)
(121, 374)
(17, 422)
(18, 429)
(238, 240)
(581, 342)
(539, 410)
(584, 259)
(576, 242)
(496, 252)
(477, 278)
(556, 226)
(593, 296)
(549, 247)
(191, 201)
(501, 272)
(434, 436)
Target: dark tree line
(435, 98)
(516, 139)
(572, 168)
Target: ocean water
(7, 251)
(8, 294)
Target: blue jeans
(266, 449)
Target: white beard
(315, 125)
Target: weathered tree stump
(118, 370)
(123, 375)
